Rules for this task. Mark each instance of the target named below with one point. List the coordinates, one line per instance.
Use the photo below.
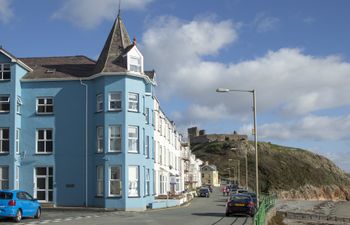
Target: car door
(23, 203)
(31, 204)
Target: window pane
(41, 171)
(49, 146)
(49, 109)
(115, 188)
(49, 101)
(5, 133)
(41, 145)
(41, 134)
(49, 134)
(40, 184)
(50, 182)
(40, 195)
(115, 173)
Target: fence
(267, 203)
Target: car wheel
(227, 214)
(38, 213)
(18, 216)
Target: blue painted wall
(68, 124)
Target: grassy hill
(280, 168)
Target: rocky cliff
(291, 173)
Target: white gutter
(86, 142)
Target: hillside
(291, 173)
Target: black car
(204, 192)
(253, 195)
(240, 204)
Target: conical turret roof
(117, 44)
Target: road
(201, 211)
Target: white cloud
(265, 23)
(310, 127)
(287, 81)
(6, 12)
(90, 13)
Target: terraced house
(79, 132)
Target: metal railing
(268, 201)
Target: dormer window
(135, 64)
(5, 72)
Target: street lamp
(224, 90)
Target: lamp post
(224, 90)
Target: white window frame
(45, 105)
(99, 102)
(99, 139)
(99, 180)
(17, 139)
(4, 177)
(47, 188)
(135, 64)
(147, 115)
(3, 70)
(134, 185)
(147, 147)
(147, 182)
(133, 103)
(117, 137)
(118, 180)
(133, 139)
(3, 140)
(4, 100)
(45, 140)
(115, 98)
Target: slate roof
(117, 44)
(65, 67)
(74, 67)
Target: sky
(295, 54)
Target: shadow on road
(209, 214)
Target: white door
(44, 184)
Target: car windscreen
(204, 190)
(6, 195)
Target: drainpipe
(86, 142)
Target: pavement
(200, 211)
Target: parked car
(241, 191)
(204, 192)
(18, 204)
(240, 204)
(208, 186)
(253, 195)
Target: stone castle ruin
(197, 136)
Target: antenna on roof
(119, 8)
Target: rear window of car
(204, 190)
(6, 195)
(240, 198)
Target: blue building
(79, 132)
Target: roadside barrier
(268, 201)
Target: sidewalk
(342, 209)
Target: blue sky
(294, 53)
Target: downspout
(86, 142)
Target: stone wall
(198, 136)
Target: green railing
(266, 203)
